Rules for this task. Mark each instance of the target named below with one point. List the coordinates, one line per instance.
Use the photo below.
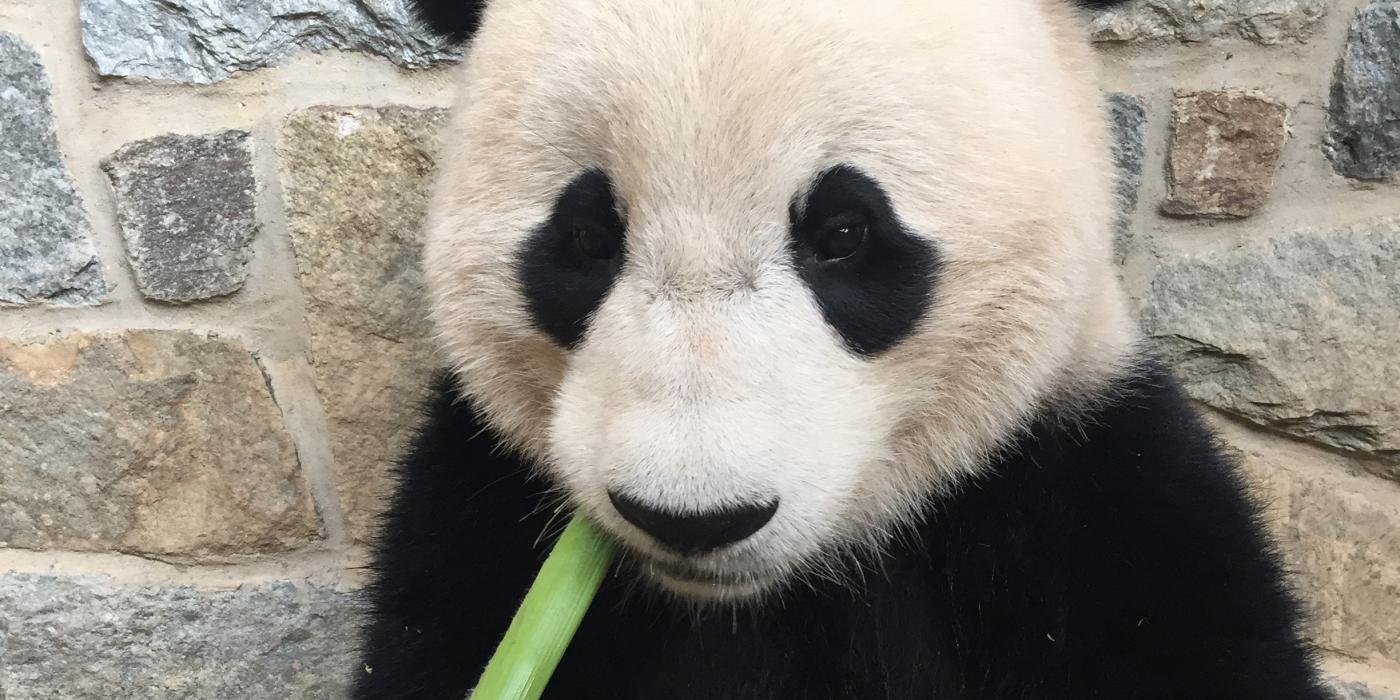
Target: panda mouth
(690, 574)
(723, 574)
(697, 583)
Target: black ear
(1099, 4)
(455, 19)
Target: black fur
(874, 297)
(1118, 559)
(1100, 4)
(456, 20)
(562, 284)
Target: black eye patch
(569, 263)
(872, 278)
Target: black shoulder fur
(1120, 560)
(455, 19)
(1099, 4)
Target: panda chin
(698, 583)
(692, 583)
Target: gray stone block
(1355, 690)
(89, 638)
(1129, 121)
(1259, 21)
(205, 41)
(46, 250)
(1297, 333)
(185, 204)
(1363, 117)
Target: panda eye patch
(569, 262)
(871, 276)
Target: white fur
(708, 375)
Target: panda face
(719, 405)
(752, 283)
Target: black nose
(695, 532)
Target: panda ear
(454, 19)
(1099, 4)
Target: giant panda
(811, 307)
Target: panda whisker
(546, 142)
(546, 502)
(494, 482)
(556, 522)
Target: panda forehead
(696, 110)
(675, 72)
(654, 95)
(757, 147)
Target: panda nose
(693, 533)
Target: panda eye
(841, 239)
(595, 243)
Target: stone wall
(212, 339)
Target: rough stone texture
(1129, 121)
(88, 638)
(46, 251)
(185, 204)
(164, 443)
(356, 187)
(1363, 124)
(1259, 21)
(1353, 690)
(1298, 333)
(1223, 153)
(1340, 535)
(205, 41)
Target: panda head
(752, 282)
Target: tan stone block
(1339, 529)
(355, 188)
(162, 443)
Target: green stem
(549, 615)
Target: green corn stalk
(549, 616)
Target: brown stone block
(1225, 147)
